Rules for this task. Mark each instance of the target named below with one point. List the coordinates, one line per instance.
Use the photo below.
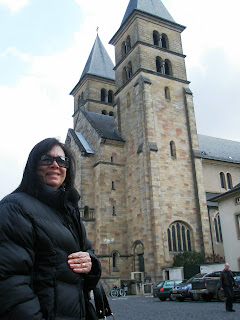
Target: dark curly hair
(30, 180)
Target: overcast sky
(44, 45)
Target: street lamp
(108, 242)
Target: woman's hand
(80, 262)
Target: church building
(143, 172)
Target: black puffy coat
(37, 234)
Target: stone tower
(137, 174)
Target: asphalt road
(149, 308)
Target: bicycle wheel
(122, 293)
(114, 293)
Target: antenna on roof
(97, 29)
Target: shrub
(187, 258)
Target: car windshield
(159, 284)
(199, 275)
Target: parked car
(236, 288)
(182, 290)
(163, 289)
(208, 286)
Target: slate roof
(84, 143)
(99, 62)
(103, 124)
(218, 149)
(216, 198)
(81, 142)
(209, 196)
(153, 7)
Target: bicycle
(117, 292)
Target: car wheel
(172, 297)
(195, 297)
(220, 295)
(162, 299)
(181, 299)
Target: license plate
(174, 291)
(197, 291)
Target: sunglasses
(46, 160)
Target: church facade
(142, 169)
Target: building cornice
(150, 46)
(136, 14)
(93, 77)
(153, 73)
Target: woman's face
(53, 175)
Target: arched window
(110, 96)
(179, 240)
(115, 260)
(159, 64)
(223, 180)
(103, 95)
(126, 46)
(124, 74)
(179, 237)
(123, 48)
(189, 241)
(128, 100)
(174, 243)
(113, 185)
(168, 67)
(164, 67)
(129, 70)
(164, 40)
(229, 180)
(218, 229)
(156, 38)
(169, 240)
(184, 243)
(173, 150)
(80, 99)
(167, 93)
(86, 212)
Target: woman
(47, 264)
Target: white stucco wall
(211, 267)
(176, 273)
(228, 210)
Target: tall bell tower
(165, 198)
(134, 139)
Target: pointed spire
(153, 7)
(99, 62)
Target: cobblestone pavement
(149, 308)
